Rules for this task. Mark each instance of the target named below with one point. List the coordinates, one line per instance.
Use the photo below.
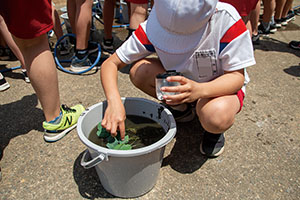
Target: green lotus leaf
(102, 132)
(122, 147)
(112, 144)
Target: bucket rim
(170, 134)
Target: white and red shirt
(225, 46)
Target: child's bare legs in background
(56, 23)
(80, 16)
(254, 18)
(10, 42)
(108, 18)
(138, 14)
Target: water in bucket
(141, 131)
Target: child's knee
(137, 74)
(215, 117)
(144, 71)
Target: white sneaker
(4, 85)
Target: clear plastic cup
(161, 81)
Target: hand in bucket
(114, 118)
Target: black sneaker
(212, 145)
(182, 116)
(255, 39)
(297, 11)
(277, 23)
(107, 45)
(65, 47)
(295, 45)
(290, 16)
(92, 47)
(284, 21)
(262, 30)
(26, 78)
(4, 85)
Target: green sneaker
(54, 132)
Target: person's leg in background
(4, 50)
(30, 35)
(56, 23)
(138, 14)
(108, 18)
(254, 19)
(64, 46)
(287, 12)
(5, 34)
(80, 16)
(4, 55)
(269, 7)
(278, 12)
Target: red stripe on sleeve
(234, 31)
(141, 35)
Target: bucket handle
(93, 162)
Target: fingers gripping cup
(161, 81)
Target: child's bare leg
(217, 115)
(42, 73)
(83, 22)
(108, 17)
(269, 7)
(143, 74)
(71, 8)
(254, 18)
(138, 14)
(10, 42)
(56, 23)
(287, 7)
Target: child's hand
(188, 91)
(114, 119)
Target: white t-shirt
(225, 46)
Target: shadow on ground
(271, 44)
(22, 112)
(185, 156)
(88, 182)
(7, 72)
(293, 70)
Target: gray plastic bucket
(126, 173)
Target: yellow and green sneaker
(54, 132)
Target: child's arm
(190, 91)
(115, 112)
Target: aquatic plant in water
(113, 142)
